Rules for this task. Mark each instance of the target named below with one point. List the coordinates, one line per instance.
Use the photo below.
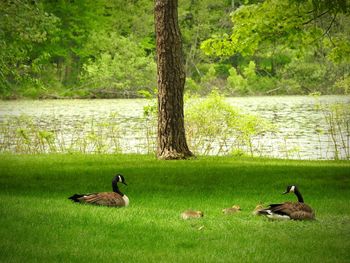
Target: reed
(213, 127)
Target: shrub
(212, 121)
(237, 83)
(342, 86)
(308, 75)
(120, 70)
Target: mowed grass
(39, 224)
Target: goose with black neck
(289, 210)
(113, 199)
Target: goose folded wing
(271, 206)
(283, 209)
(106, 199)
(289, 208)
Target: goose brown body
(295, 210)
(289, 210)
(105, 199)
(115, 198)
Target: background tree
(171, 81)
(298, 43)
(24, 27)
(106, 49)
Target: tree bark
(171, 81)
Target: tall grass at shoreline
(225, 130)
(39, 223)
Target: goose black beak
(286, 192)
(124, 183)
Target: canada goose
(115, 198)
(231, 210)
(188, 214)
(289, 210)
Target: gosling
(231, 210)
(189, 214)
(257, 209)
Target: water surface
(302, 130)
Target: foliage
(213, 126)
(343, 85)
(23, 27)
(55, 49)
(316, 38)
(237, 82)
(28, 135)
(267, 23)
(337, 117)
(309, 76)
(191, 86)
(223, 125)
(249, 82)
(198, 20)
(121, 68)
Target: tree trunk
(171, 81)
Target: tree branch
(314, 18)
(330, 25)
(327, 32)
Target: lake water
(302, 130)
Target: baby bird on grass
(189, 214)
(257, 209)
(231, 210)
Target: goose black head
(290, 189)
(119, 179)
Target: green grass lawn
(39, 224)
